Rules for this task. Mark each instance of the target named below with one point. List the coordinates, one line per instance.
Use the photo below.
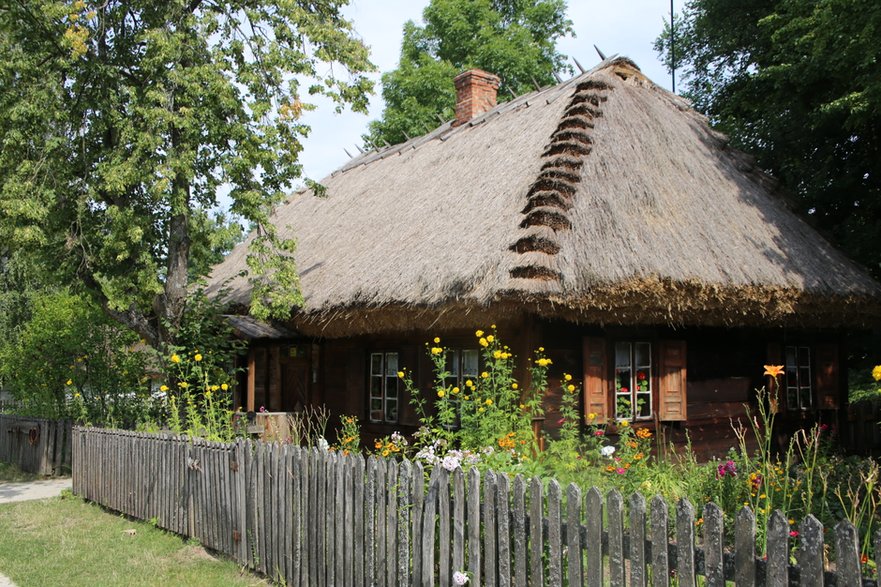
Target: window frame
(634, 393)
(458, 377)
(803, 387)
(384, 376)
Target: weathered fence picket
(318, 518)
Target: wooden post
(252, 373)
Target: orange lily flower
(774, 370)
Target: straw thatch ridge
(562, 204)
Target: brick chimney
(475, 94)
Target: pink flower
(824, 427)
(793, 533)
(598, 433)
(620, 470)
(560, 421)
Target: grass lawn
(67, 541)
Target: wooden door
(295, 380)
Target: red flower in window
(640, 376)
(624, 390)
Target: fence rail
(35, 445)
(310, 517)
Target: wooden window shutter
(826, 375)
(672, 398)
(596, 383)
(774, 357)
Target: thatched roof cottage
(601, 218)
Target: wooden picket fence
(35, 445)
(312, 517)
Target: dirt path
(10, 492)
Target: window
(461, 365)
(384, 387)
(799, 395)
(633, 380)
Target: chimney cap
(479, 74)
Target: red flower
(793, 533)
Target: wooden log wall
(307, 517)
(35, 445)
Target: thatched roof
(250, 328)
(603, 199)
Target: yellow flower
(488, 402)
(624, 423)
(484, 375)
(69, 382)
(567, 377)
(198, 357)
(876, 373)
(385, 453)
(571, 388)
(481, 410)
(514, 385)
(591, 416)
(493, 326)
(466, 397)
(773, 370)
(208, 394)
(497, 354)
(479, 334)
(469, 383)
(490, 338)
(163, 388)
(76, 395)
(436, 340)
(224, 386)
(484, 342)
(455, 390)
(400, 374)
(522, 406)
(543, 362)
(436, 350)
(215, 387)
(183, 384)
(441, 393)
(541, 349)
(175, 359)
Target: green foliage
(70, 360)
(797, 84)
(199, 398)
(514, 39)
(486, 422)
(120, 121)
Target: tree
(68, 349)
(514, 39)
(120, 120)
(798, 84)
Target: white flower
(450, 463)
(459, 578)
(322, 444)
(398, 439)
(607, 451)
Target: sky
(622, 27)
